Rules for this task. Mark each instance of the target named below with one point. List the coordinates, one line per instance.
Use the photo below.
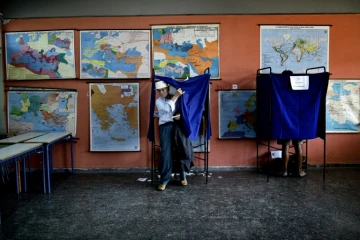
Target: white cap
(160, 85)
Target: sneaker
(301, 174)
(184, 182)
(284, 174)
(161, 187)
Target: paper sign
(275, 154)
(299, 82)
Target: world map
(115, 54)
(237, 114)
(343, 106)
(182, 51)
(42, 111)
(114, 117)
(294, 48)
(40, 55)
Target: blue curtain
(291, 114)
(191, 104)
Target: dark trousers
(166, 145)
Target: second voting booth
(291, 106)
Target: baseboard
(194, 169)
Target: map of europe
(343, 106)
(42, 111)
(294, 48)
(114, 117)
(115, 54)
(182, 51)
(40, 55)
(237, 114)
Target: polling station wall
(239, 60)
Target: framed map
(115, 54)
(237, 114)
(39, 55)
(182, 51)
(114, 117)
(343, 106)
(42, 111)
(294, 48)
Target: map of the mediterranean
(114, 117)
(237, 114)
(343, 106)
(182, 51)
(115, 54)
(40, 55)
(294, 48)
(42, 111)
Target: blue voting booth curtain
(191, 104)
(284, 113)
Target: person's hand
(179, 92)
(177, 116)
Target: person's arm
(177, 94)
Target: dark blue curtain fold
(191, 104)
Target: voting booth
(291, 106)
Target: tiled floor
(233, 205)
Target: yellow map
(186, 50)
(114, 117)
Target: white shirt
(166, 108)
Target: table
(21, 137)
(14, 152)
(48, 140)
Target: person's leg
(166, 153)
(298, 152)
(183, 175)
(183, 172)
(285, 156)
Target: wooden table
(49, 140)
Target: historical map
(294, 48)
(42, 111)
(343, 106)
(114, 117)
(115, 54)
(182, 51)
(237, 114)
(39, 55)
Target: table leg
(43, 169)
(72, 154)
(24, 173)
(48, 168)
(50, 160)
(17, 177)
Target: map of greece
(343, 106)
(237, 114)
(115, 54)
(294, 48)
(39, 55)
(182, 51)
(114, 117)
(42, 111)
